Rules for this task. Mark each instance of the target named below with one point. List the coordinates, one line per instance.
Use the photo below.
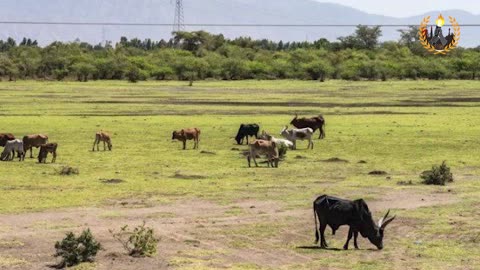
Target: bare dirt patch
(207, 152)
(180, 175)
(192, 231)
(406, 199)
(377, 172)
(112, 181)
(335, 160)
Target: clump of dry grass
(68, 170)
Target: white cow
(298, 134)
(10, 148)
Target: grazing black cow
(246, 130)
(336, 212)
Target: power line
(212, 24)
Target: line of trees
(201, 55)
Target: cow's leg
(184, 144)
(98, 145)
(248, 159)
(311, 142)
(93, 148)
(54, 154)
(247, 139)
(350, 234)
(323, 242)
(355, 236)
(294, 144)
(31, 151)
(104, 146)
(254, 159)
(270, 161)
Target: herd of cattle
(19, 147)
(265, 144)
(329, 210)
(13, 146)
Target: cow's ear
(182, 132)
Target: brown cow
(5, 137)
(187, 134)
(102, 137)
(45, 149)
(316, 122)
(35, 140)
(264, 147)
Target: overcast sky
(405, 8)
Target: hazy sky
(405, 8)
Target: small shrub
(67, 170)
(75, 250)
(438, 175)
(138, 243)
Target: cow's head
(110, 146)
(265, 136)
(42, 154)
(284, 132)
(376, 236)
(179, 135)
(294, 119)
(239, 138)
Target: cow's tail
(316, 225)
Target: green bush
(138, 243)
(438, 175)
(75, 250)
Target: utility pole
(178, 24)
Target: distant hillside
(200, 11)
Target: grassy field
(209, 208)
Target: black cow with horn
(336, 212)
(246, 130)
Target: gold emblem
(435, 41)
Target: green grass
(399, 127)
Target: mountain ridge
(202, 11)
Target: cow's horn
(387, 222)
(380, 222)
